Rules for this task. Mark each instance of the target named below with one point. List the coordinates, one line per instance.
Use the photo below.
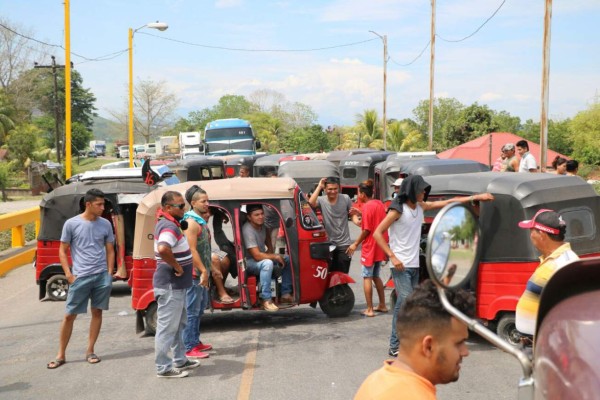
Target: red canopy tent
(486, 149)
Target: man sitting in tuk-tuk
(547, 233)
(260, 258)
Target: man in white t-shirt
(404, 219)
(527, 163)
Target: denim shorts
(95, 287)
(371, 271)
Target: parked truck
(99, 146)
(164, 145)
(189, 144)
(229, 136)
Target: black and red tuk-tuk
(304, 241)
(199, 168)
(357, 168)
(234, 162)
(308, 173)
(268, 164)
(507, 258)
(122, 198)
(336, 156)
(398, 166)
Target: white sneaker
(189, 364)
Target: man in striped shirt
(547, 233)
(171, 280)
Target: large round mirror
(452, 245)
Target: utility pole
(385, 60)
(431, 75)
(545, 87)
(56, 112)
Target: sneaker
(268, 305)
(189, 364)
(173, 373)
(393, 352)
(194, 353)
(203, 347)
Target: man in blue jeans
(260, 258)
(404, 219)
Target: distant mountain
(106, 129)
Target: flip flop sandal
(55, 363)
(92, 358)
(228, 300)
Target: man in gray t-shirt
(335, 209)
(90, 240)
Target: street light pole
(67, 90)
(431, 75)
(385, 59)
(161, 26)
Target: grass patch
(88, 164)
(6, 236)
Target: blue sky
(499, 66)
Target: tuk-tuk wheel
(150, 319)
(507, 330)
(338, 301)
(57, 287)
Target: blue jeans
(196, 302)
(404, 283)
(171, 320)
(264, 270)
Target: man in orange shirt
(432, 347)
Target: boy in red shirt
(373, 212)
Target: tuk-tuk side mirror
(258, 145)
(451, 257)
(452, 246)
(201, 147)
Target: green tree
(5, 172)
(505, 122)
(472, 122)
(6, 122)
(367, 126)
(446, 112)
(23, 142)
(585, 131)
(80, 137)
(306, 140)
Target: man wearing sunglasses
(336, 209)
(172, 278)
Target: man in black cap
(547, 233)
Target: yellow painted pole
(67, 91)
(130, 98)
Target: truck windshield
(228, 134)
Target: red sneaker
(193, 353)
(203, 347)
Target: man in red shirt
(373, 212)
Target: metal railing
(16, 223)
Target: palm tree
(6, 123)
(368, 123)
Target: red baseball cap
(545, 220)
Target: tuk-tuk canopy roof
(194, 161)
(236, 189)
(529, 189)
(406, 155)
(436, 166)
(308, 169)
(338, 155)
(365, 159)
(241, 159)
(271, 159)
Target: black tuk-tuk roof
(308, 173)
(518, 196)
(439, 166)
(194, 161)
(248, 159)
(65, 202)
(364, 159)
(268, 163)
(338, 155)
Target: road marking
(249, 366)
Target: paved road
(17, 205)
(293, 354)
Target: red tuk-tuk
(304, 241)
(122, 197)
(507, 257)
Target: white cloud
(490, 96)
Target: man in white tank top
(403, 222)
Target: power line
(415, 59)
(476, 30)
(255, 50)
